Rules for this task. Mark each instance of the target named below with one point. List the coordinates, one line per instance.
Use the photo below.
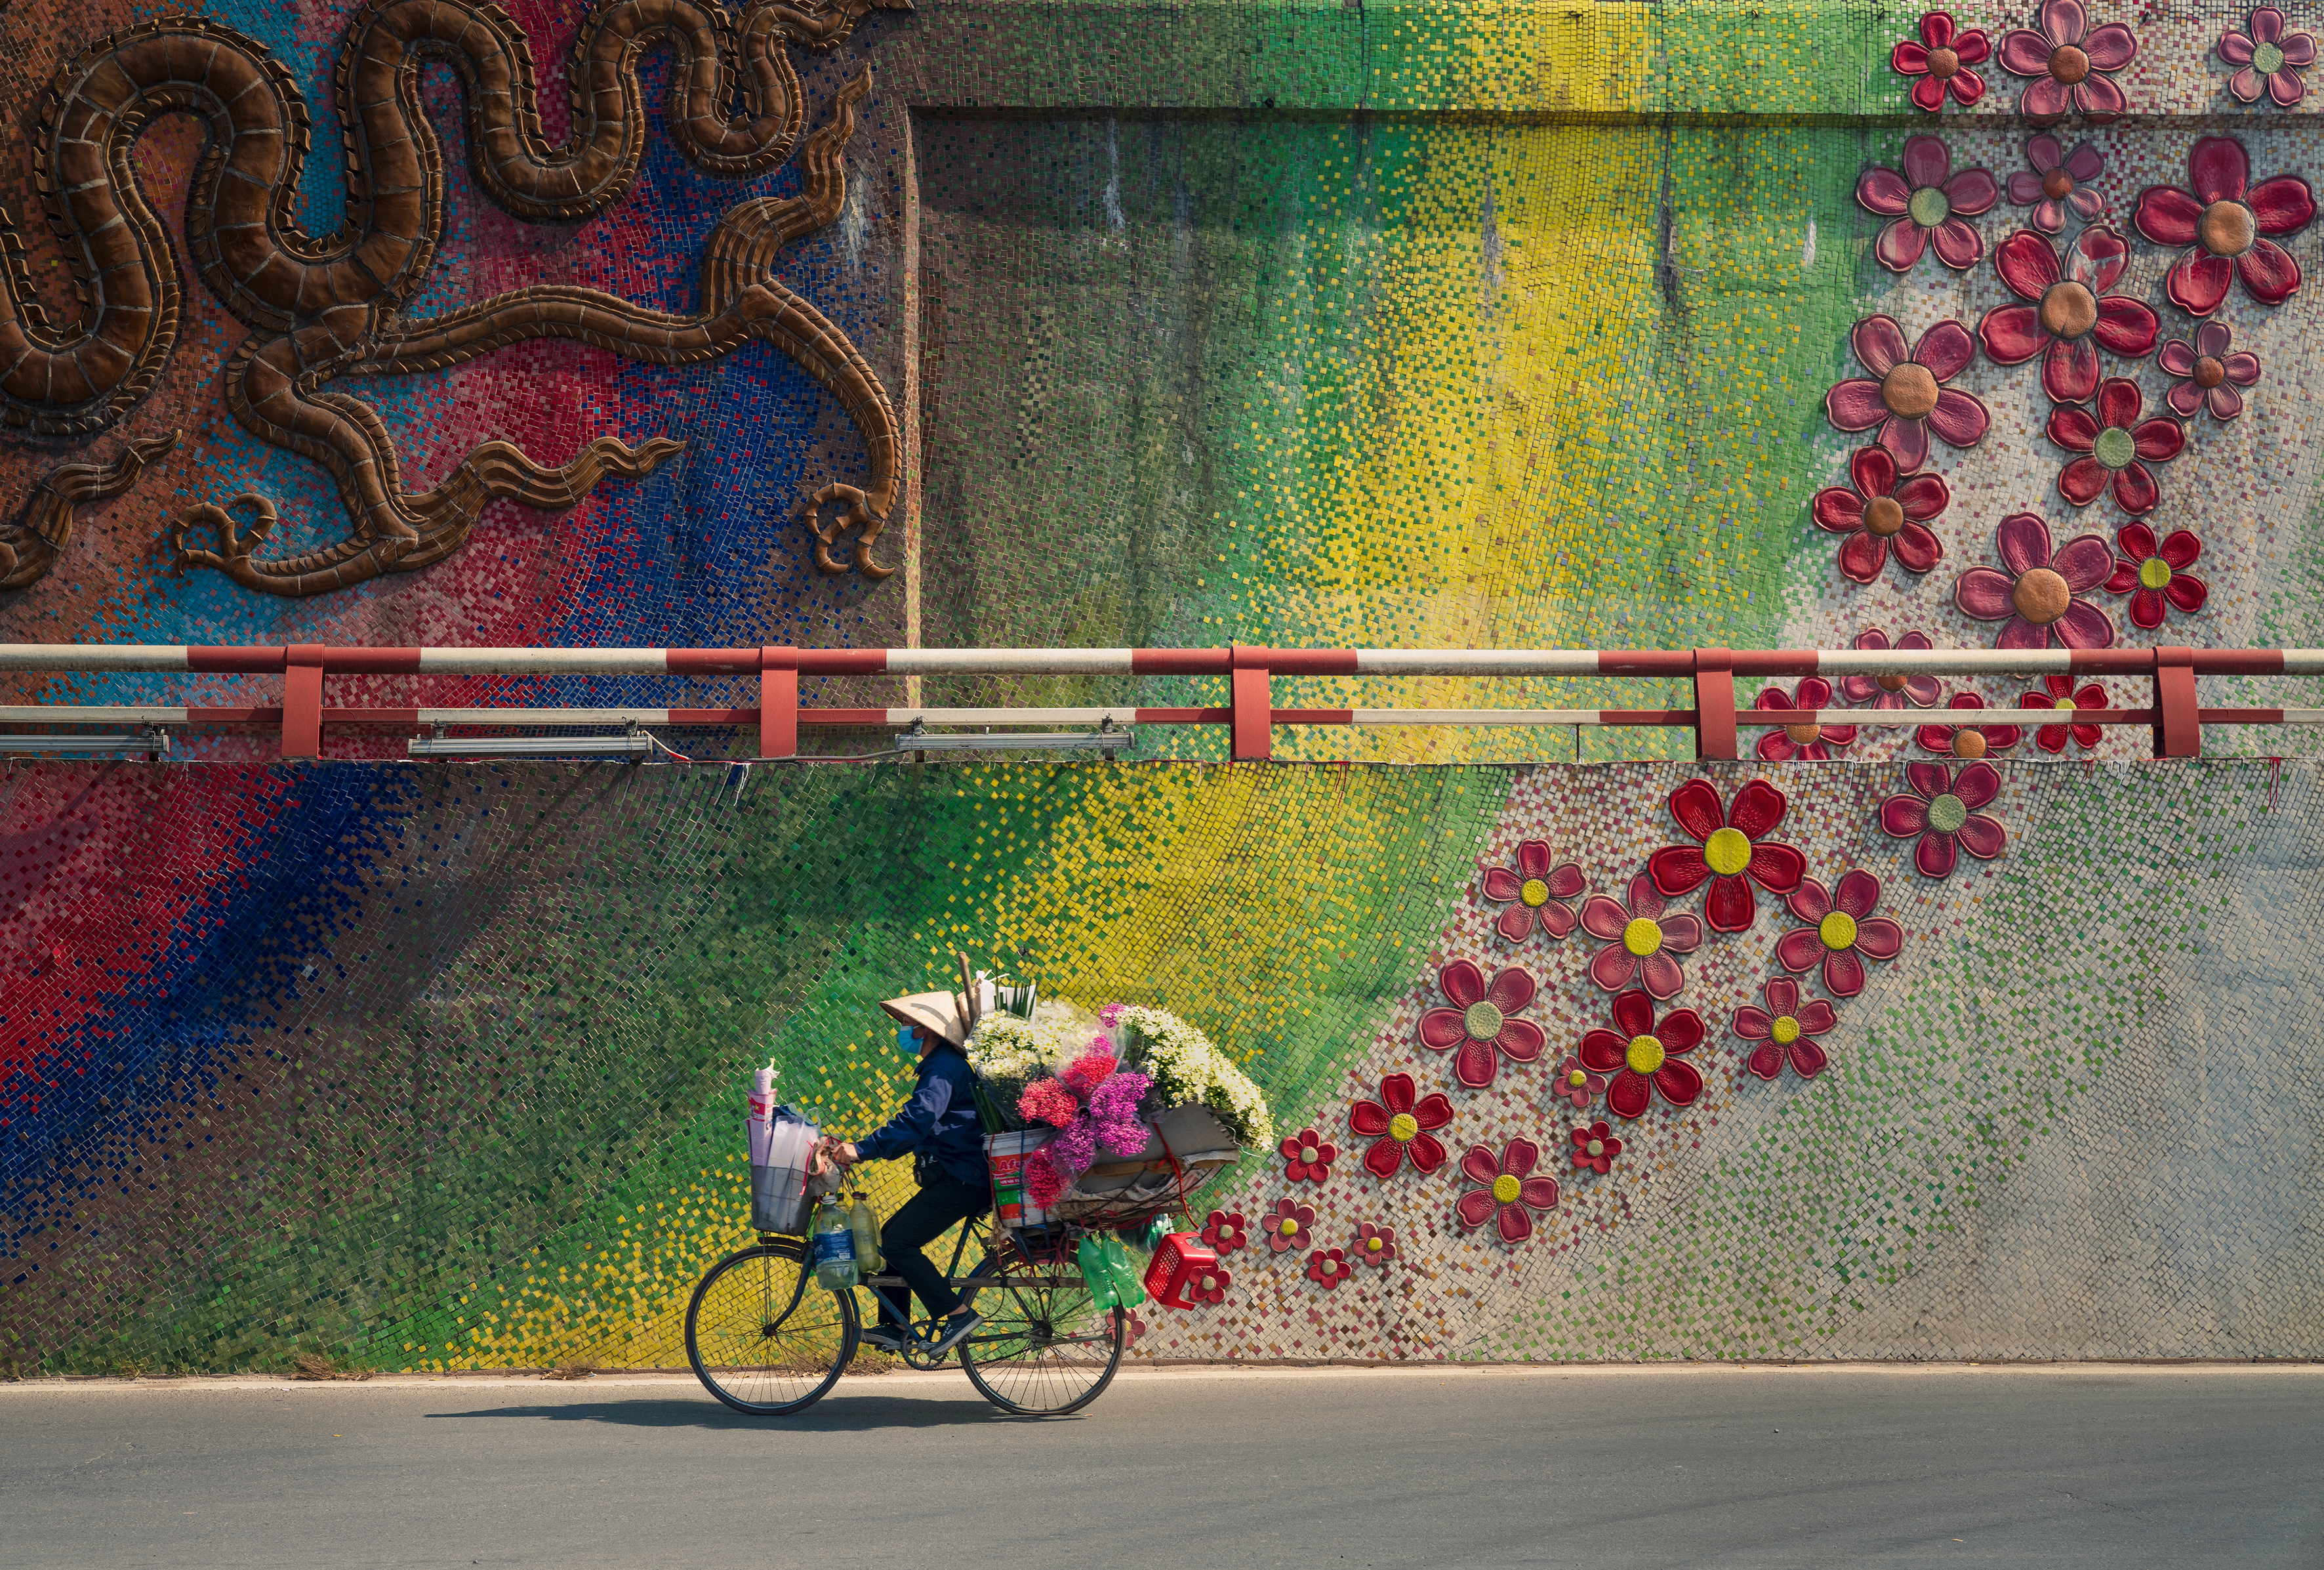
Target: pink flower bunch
(1091, 1104)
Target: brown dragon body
(327, 307)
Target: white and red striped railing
(302, 715)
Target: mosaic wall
(446, 1068)
(1587, 325)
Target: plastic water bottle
(834, 1242)
(866, 1228)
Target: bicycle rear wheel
(762, 1337)
(1045, 1348)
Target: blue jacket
(940, 1118)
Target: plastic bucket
(1005, 1155)
(779, 1201)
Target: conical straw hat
(935, 1011)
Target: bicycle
(769, 1342)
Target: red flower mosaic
(1785, 1030)
(2155, 574)
(1942, 811)
(1728, 851)
(2115, 444)
(2209, 375)
(1329, 1268)
(1308, 1157)
(2267, 59)
(1534, 891)
(1224, 1231)
(1878, 512)
(2230, 226)
(1575, 1085)
(1508, 1193)
(1643, 939)
(1961, 739)
(2054, 180)
(1375, 1245)
(2064, 313)
(1643, 1055)
(1895, 689)
(1398, 1126)
(1209, 1286)
(1940, 61)
(2040, 596)
(1907, 397)
(1595, 1148)
(1287, 1224)
(1843, 931)
(1927, 204)
(1810, 742)
(1482, 1028)
(2073, 62)
(2057, 693)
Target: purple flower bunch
(1093, 1104)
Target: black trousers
(925, 1218)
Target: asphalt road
(2055, 1466)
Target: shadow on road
(838, 1414)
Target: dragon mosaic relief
(328, 309)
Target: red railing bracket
(1253, 699)
(1714, 703)
(302, 701)
(778, 702)
(2178, 722)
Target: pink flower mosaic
(1535, 891)
(1328, 1268)
(1287, 1226)
(1939, 63)
(2153, 574)
(1399, 1126)
(2072, 63)
(1482, 1026)
(2040, 594)
(2211, 373)
(1643, 940)
(2115, 444)
(1895, 689)
(1508, 1191)
(1843, 931)
(1375, 1245)
(2229, 225)
(1927, 205)
(1880, 511)
(2064, 313)
(2057, 694)
(2268, 58)
(1642, 1053)
(1942, 815)
(1575, 1086)
(1595, 1148)
(1906, 397)
(1308, 1157)
(2055, 182)
(1728, 851)
(1807, 741)
(1785, 1030)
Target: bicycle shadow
(841, 1412)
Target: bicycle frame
(975, 1228)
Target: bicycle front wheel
(762, 1337)
(1045, 1348)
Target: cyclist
(941, 1128)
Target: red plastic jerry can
(1178, 1259)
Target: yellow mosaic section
(1201, 889)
